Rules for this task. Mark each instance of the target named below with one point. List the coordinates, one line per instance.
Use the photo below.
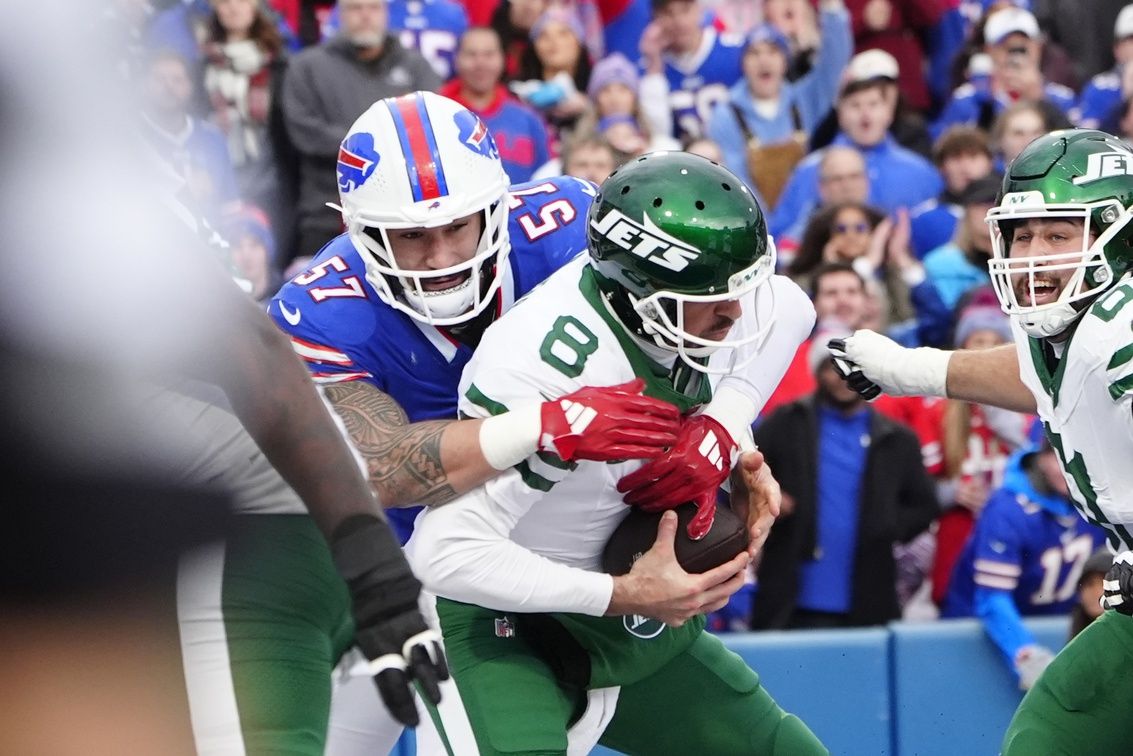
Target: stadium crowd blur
(873, 131)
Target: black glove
(851, 373)
(1117, 588)
(389, 628)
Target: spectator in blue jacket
(1103, 94)
(772, 108)
(961, 264)
(962, 154)
(898, 177)
(1024, 558)
(1014, 45)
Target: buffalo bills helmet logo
(474, 134)
(357, 159)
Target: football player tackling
(677, 291)
(1062, 255)
(387, 315)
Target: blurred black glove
(851, 373)
(389, 628)
(1117, 588)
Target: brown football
(637, 532)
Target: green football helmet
(1080, 174)
(672, 227)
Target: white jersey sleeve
(472, 549)
(792, 316)
(1085, 400)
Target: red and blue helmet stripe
(419, 146)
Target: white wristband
(736, 412)
(508, 439)
(920, 372)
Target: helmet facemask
(662, 318)
(423, 161)
(405, 290)
(1091, 270)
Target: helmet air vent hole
(657, 202)
(625, 190)
(699, 205)
(727, 186)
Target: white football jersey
(564, 337)
(1085, 400)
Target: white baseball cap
(872, 64)
(1123, 27)
(1010, 21)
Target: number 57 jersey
(344, 332)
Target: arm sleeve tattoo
(403, 459)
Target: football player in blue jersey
(388, 314)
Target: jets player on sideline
(677, 290)
(1061, 266)
(388, 314)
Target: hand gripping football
(638, 531)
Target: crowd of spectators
(874, 133)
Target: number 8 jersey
(344, 332)
(564, 337)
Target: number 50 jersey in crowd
(344, 332)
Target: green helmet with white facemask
(672, 227)
(1077, 174)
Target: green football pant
(705, 699)
(264, 618)
(1083, 702)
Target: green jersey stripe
(480, 399)
(1120, 357)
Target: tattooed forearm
(403, 459)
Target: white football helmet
(423, 161)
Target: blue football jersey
(696, 85)
(1021, 547)
(344, 332)
(431, 27)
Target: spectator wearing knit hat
(618, 112)
(763, 106)
(252, 251)
(555, 70)
(519, 132)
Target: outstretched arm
(989, 376)
(871, 363)
(434, 461)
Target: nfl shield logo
(505, 628)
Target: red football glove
(699, 462)
(607, 423)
